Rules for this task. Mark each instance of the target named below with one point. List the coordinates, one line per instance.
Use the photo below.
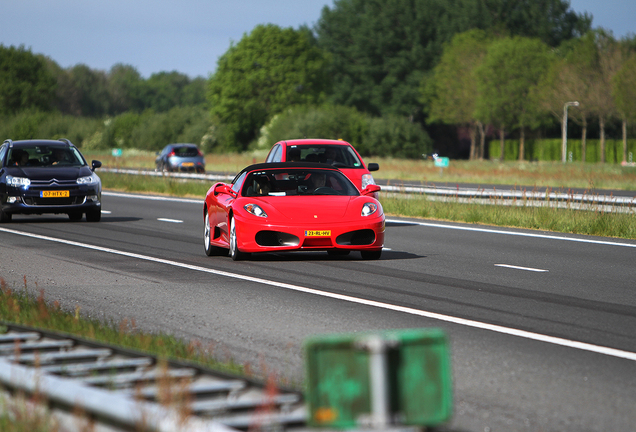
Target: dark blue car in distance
(48, 176)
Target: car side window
(236, 186)
(3, 152)
(271, 157)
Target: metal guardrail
(485, 196)
(129, 390)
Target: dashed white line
(613, 352)
(521, 268)
(169, 220)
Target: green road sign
(442, 162)
(414, 375)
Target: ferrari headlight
(367, 179)
(86, 180)
(369, 208)
(18, 181)
(255, 210)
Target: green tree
(126, 89)
(264, 73)
(451, 93)
(26, 81)
(383, 48)
(82, 91)
(512, 68)
(166, 90)
(624, 93)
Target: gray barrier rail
(127, 390)
(487, 196)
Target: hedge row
(550, 150)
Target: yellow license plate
(55, 194)
(317, 233)
(188, 164)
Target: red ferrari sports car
(290, 206)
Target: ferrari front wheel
(207, 237)
(235, 253)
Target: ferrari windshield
(44, 155)
(283, 182)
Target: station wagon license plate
(55, 194)
(317, 233)
(187, 164)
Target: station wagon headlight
(255, 210)
(86, 180)
(18, 181)
(369, 208)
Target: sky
(187, 36)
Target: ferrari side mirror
(371, 189)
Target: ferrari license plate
(187, 164)
(317, 233)
(55, 194)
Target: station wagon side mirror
(371, 189)
(373, 166)
(95, 164)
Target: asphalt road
(541, 325)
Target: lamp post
(564, 131)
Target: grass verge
(598, 223)
(555, 175)
(22, 307)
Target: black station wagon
(48, 176)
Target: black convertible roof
(279, 165)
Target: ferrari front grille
(356, 238)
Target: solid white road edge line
(387, 306)
(522, 234)
(521, 268)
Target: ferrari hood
(320, 208)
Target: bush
(396, 137)
(392, 135)
(40, 125)
(330, 122)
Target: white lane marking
(153, 197)
(169, 220)
(106, 212)
(521, 268)
(387, 306)
(494, 231)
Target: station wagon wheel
(234, 250)
(5, 217)
(93, 215)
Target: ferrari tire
(235, 253)
(207, 237)
(371, 254)
(93, 215)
